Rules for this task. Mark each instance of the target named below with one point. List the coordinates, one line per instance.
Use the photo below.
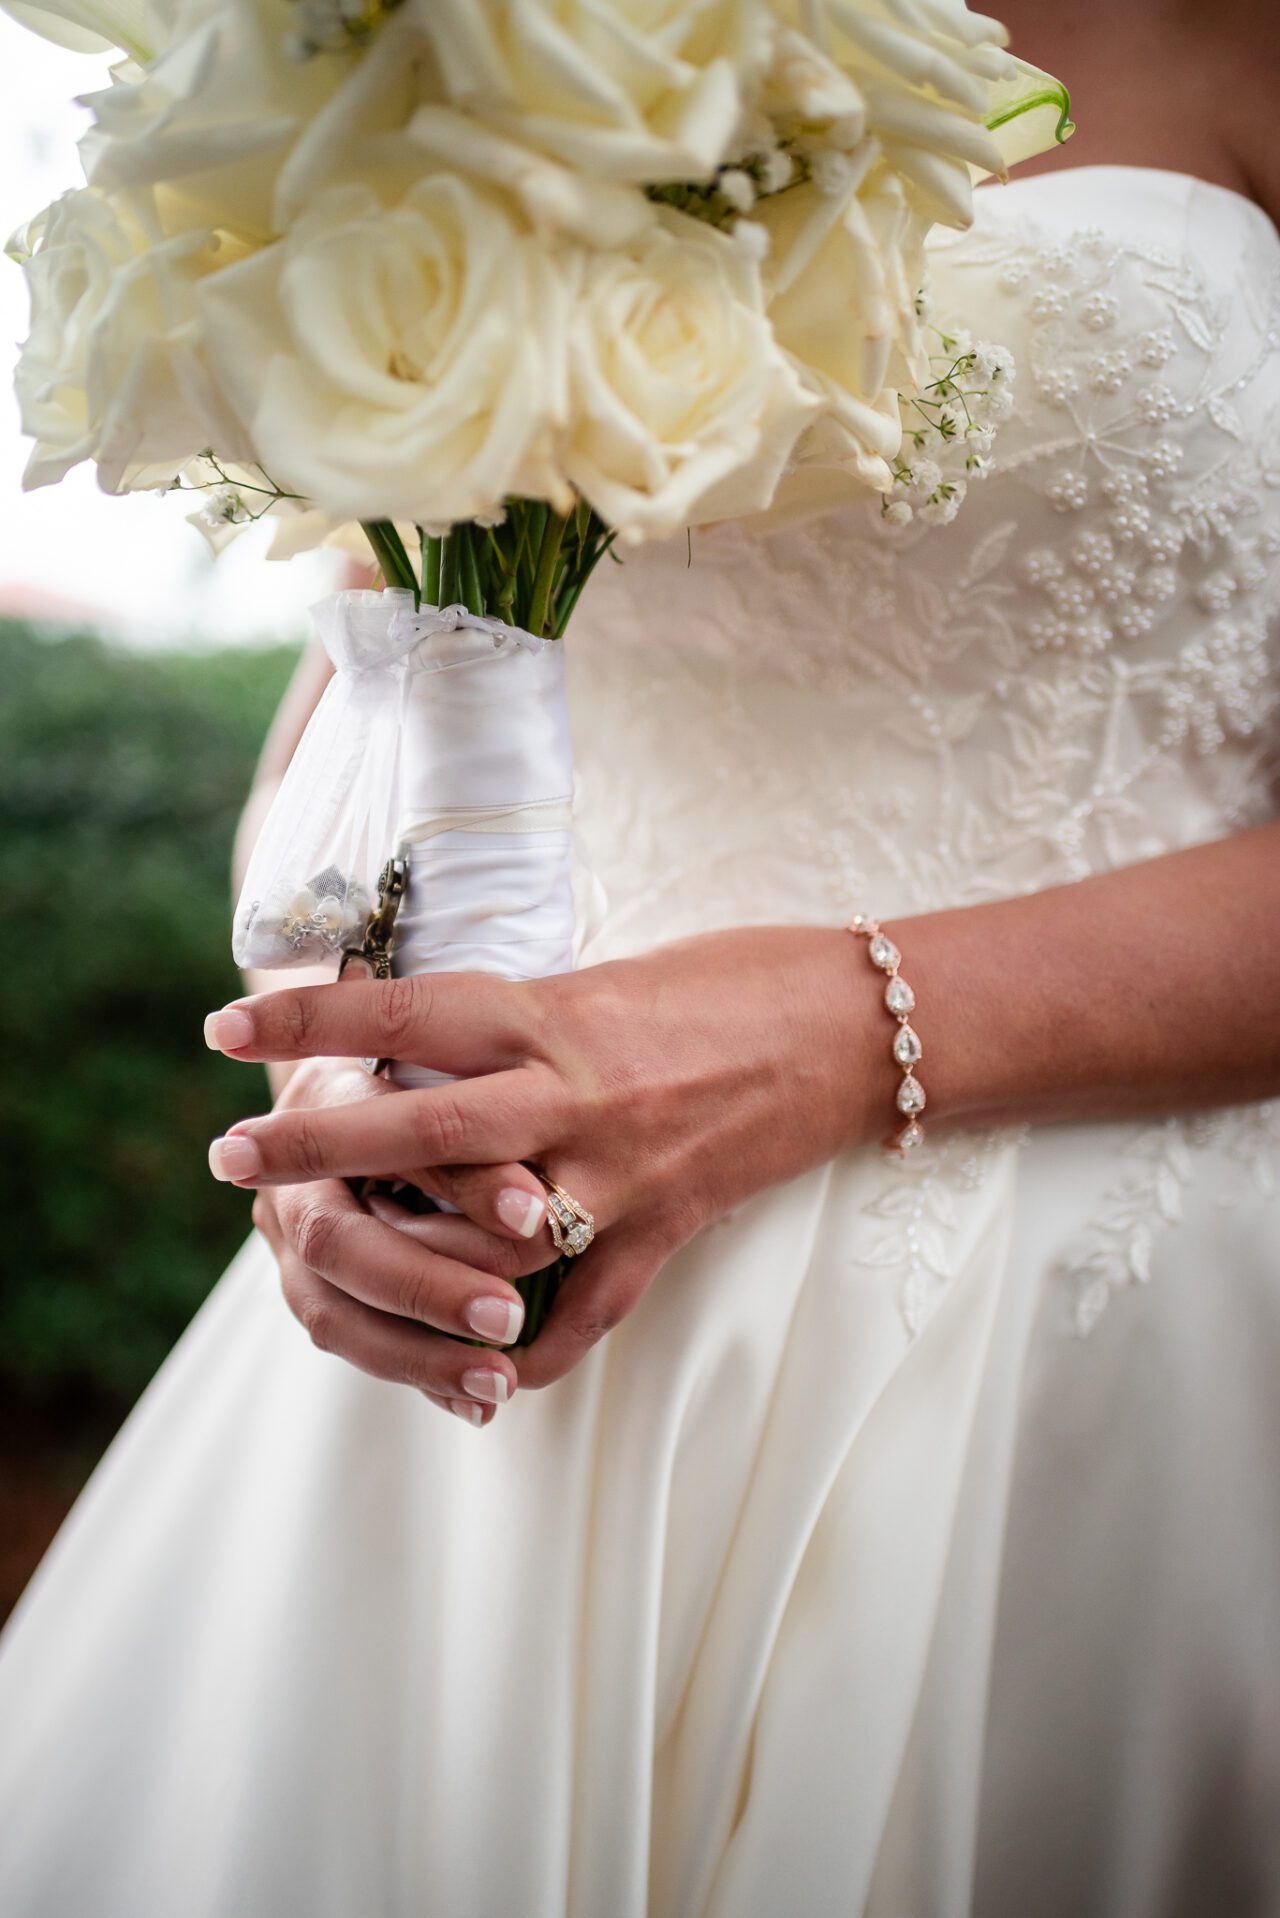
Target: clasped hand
(660, 1091)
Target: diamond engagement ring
(572, 1226)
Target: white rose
(639, 90)
(557, 199)
(113, 369)
(842, 277)
(90, 26)
(386, 126)
(683, 408)
(243, 136)
(402, 362)
(213, 118)
(802, 87)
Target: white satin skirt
(845, 1577)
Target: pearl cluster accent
(907, 1050)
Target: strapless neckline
(1131, 170)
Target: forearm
(1152, 989)
(667, 1088)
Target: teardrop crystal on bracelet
(910, 1136)
(911, 1095)
(899, 998)
(883, 953)
(907, 1049)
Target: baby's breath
(949, 426)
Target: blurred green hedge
(121, 778)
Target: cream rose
(638, 90)
(397, 363)
(682, 406)
(113, 369)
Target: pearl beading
(900, 1001)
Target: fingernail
(495, 1319)
(481, 1383)
(227, 1031)
(471, 1413)
(521, 1212)
(231, 1159)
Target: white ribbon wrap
(444, 735)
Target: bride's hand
(658, 1091)
(357, 1286)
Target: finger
(366, 1258)
(598, 1291)
(392, 1349)
(508, 1200)
(266, 1220)
(470, 1238)
(465, 1409)
(486, 1121)
(453, 1237)
(452, 1021)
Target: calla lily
(1027, 113)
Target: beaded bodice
(1078, 672)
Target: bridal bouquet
(507, 284)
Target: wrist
(852, 1037)
(976, 1053)
(963, 1063)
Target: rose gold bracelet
(907, 1050)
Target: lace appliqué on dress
(1158, 1169)
(917, 1215)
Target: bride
(891, 1535)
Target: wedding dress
(914, 1549)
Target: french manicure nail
(481, 1383)
(521, 1212)
(495, 1319)
(232, 1159)
(228, 1031)
(471, 1413)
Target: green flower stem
(388, 550)
(473, 593)
(545, 577)
(430, 546)
(535, 518)
(448, 569)
(529, 570)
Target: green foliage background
(121, 779)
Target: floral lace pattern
(916, 1216)
(1148, 1196)
(787, 723)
